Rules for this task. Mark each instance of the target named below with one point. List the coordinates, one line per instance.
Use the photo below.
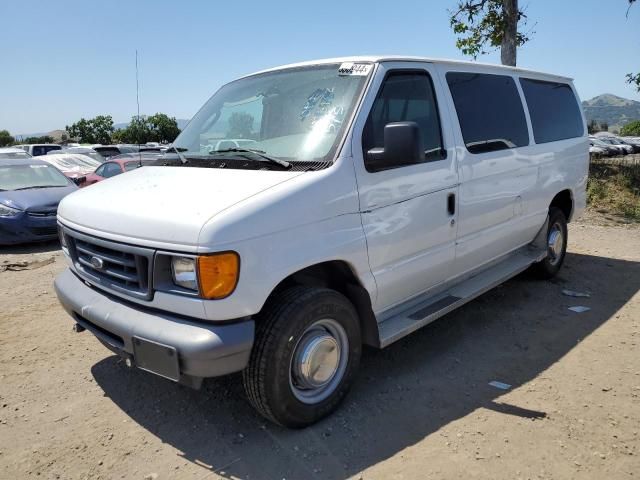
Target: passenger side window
(405, 96)
(554, 111)
(489, 110)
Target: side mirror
(79, 180)
(402, 146)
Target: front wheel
(305, 356)
(557, 236)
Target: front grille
(115, 266)
(42, 214)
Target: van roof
(403, 58)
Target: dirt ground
(423, 408)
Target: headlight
(183, 270)
(6, 211)
(212, 276)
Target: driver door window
(405, 96)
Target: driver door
(409, 212)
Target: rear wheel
(557, 236)
(305, 356)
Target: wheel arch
(564, 201)
(338, 275)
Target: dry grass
(614, 188)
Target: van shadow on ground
(403, 394)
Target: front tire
(557, 236)
(305, 356)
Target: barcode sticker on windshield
(358, 69)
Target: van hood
(162, 206)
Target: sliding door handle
(451, 203)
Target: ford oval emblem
(97, 263)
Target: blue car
(30, 191)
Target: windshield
(16, 177)
(298, 115)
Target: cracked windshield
(297, 115)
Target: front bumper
(24, 228)
(204, 349)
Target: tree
(42, 139)
(480, 24)
(156, 128)
(633, 78)
(94, 130)
(240, 125)
(6, 139)
(604, 127)
(163, 128)
(631, 129)
(593, 127)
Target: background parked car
(30, 191)
(88, 151)
(37, 149)
(597, 151)
(611, 149)
(108, 151)
(624, 148)
(75, 166)
(635, 147)
(13, 152)
(120, 164)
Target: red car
(120, 164)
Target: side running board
(432, 308)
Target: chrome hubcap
(319, 361)
(555, 243)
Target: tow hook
(78, 328)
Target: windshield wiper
(180, 156)
(38, 186)
(255, 151)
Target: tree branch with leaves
(485, 25)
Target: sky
(66, 59)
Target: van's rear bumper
(204, 349)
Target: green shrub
(615, 189)
(631, 129)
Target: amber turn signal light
(218, 274)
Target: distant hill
(614, 110)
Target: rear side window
(108, 151)
(489, 110)
(554, 111)
(405, 96)
(43, 150)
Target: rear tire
(557, 236)
(305, 356)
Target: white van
(380, 194)
(38, 149)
